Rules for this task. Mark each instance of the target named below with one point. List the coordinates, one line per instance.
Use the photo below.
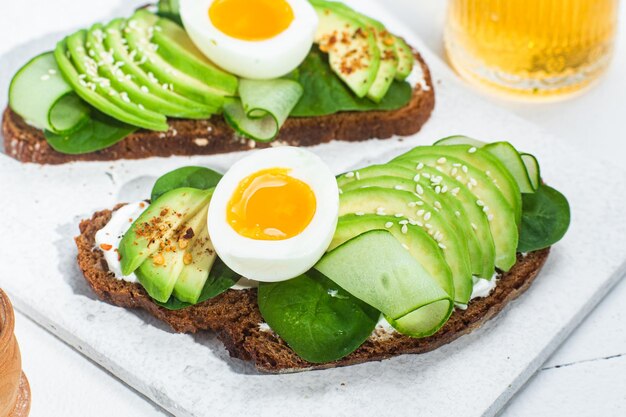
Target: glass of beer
(537, 49)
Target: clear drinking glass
(532, 48)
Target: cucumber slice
(533, 170)
(526, 175)
(44, 99)
(420, 245)
(512, 160)
(403, 205)
(375, 268)
(263, 108)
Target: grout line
(584, 361)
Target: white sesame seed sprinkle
(398, 215)
(464, 168)
(389, 225)
(404, 245)
(357, 175)
(457, 213)
(359, 213)
(45, 77)
(349, 175)
(442, 246)
(480, 203)
(427, 216)
(398, 187)
(403, 222)
(472, 150)
(442, 160)
(490, 217)
(419, 189)
(412, 204)
(474, 226)
(405, 229)
(420, 212)
(437, 204)
(419, 166)
(417, 178)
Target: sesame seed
(459, 178)
(473, 181)
(490, 217)
(405, 229)
(485, 209)
(144, 89)
(389, 225)
(413, 222)
(456, 164)
(457, 213)
(349, 175)
(359, 213)
(357, 175)
(45, 77)
(427, 216)
(420, 212)
(442, 160)
(398, 187)
(474, 226)
(405, 246)
(419, 189)
(444, 189)
(124, 97)
(419, 203)
(52, 72)
(454, 171)
(420, 224)
(472, 149)
(438, 189)
(141, 106)
(417, 178)
(426, 175)
(442, 246)
(403, 222)
(412, 204)
(419, 166)
(398, 215)
(437, 204)
(455, 191)
(464, 168)
(480, 203)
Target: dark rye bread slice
(236, 319)
(214, 136)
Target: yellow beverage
(533, 48)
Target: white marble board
(193, 376)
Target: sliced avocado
(352, 48)
(419, 243)
(158, 224)
(147, 81)
(87, 91)
(161, 273)
(448, 206)
(500, 214)
(406, 59)
(403, 205)
(123, 81)
(200, 259)
(483, 161)
(138, 34)
(89, 78)
(386, 45)
(175, 46)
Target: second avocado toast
(141, 87)
(426, 248)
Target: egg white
(266, 59)
(280, 260)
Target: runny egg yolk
(248, 20)
(271, 205)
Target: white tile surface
(102, 7)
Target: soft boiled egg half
(274, 214)
(256, 39)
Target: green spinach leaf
(221, 278)
(317, 318)
(98, 132)
(545, 219)
(325, 93)
(193, 177)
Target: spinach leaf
(99, 132)
(317, 318)
(325, 93)
(221, 278)
(545, 219)
(193, 177)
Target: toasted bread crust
(235, 316)
(214, 136)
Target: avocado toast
(330, 315)
(141, 87)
